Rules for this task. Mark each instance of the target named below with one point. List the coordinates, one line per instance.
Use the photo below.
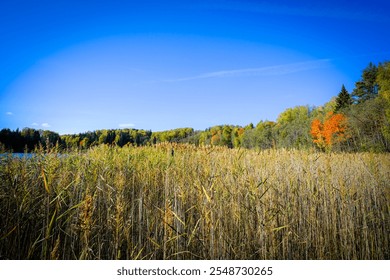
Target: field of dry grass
(200, 203)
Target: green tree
(49, 138)
(343, 99)
(383, 80)
(122, 138)
(31, 137)
(293, 128)
(367, 87)
(237, 136)
(227, 136)
(262, 137)
(84, 143)
(205, 137)
(103, 137)
(366, 121)
(6, 138)
(249, 126)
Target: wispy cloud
(9, 113)
(35, 124)
(126, 125)
(275, 70)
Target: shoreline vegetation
(208, 202)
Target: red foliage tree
(332, 131)
(317, 133)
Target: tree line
(356, 121)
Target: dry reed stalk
(201, 203)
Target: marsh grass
(201, 203)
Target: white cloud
(126, 125)
(34, 124)
(9, 113)
(261, 71)
(45, 125)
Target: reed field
(194, 203)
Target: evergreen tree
(367, 87)
(343, 99)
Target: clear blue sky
(75, 66)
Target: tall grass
(201, 203)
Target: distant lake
(17, 155)
(23, 155)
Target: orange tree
(333, 130)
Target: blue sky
(75, 66)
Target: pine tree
(343, 99)
(367, 87)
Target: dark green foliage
(119, 137)
(367, 87)
(28, 139)
(343, 99)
